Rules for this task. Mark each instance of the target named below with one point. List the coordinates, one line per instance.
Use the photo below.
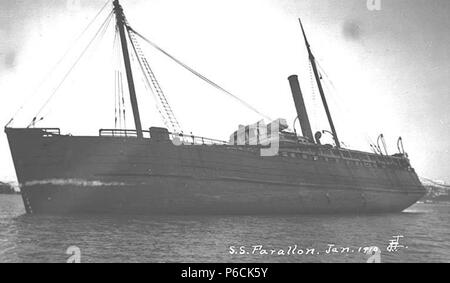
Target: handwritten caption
(372, 253)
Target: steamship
(162, 171)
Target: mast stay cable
(120, 120)
(169, 118)
(52, 70)
(100, 31)
(215, 85)
(344, 105)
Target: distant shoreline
(7, 189)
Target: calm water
(425, 229)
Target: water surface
(23, 238)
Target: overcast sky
(389, 69)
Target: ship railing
(176, 138)
(352, 157)
(45, 132)
(194, 140)
(48, 132)
(122, 133)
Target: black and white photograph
(243, 133)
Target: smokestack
(300, 107)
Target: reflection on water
(24, 238)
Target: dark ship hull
(124, 172)
(128, 175)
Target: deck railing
(177, 138)
(191, 139)
(52, 131)
(122, 133)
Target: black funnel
(300, 107)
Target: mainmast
(121, 25)
(319, 85)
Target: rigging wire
(313, 92)
(148, 87)
(169, 118)
(120, 113)
(124, 112)
(96, 39)
(58, 63)
(119, 108)
(115, 100)
(340, 106)
(119, 117)
(115, 47)
(215, 85)
(101, 32)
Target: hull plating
(64, 174)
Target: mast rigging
(121, 24)
(197, 74)
(126, 36)
(319, 85)
(153, 85)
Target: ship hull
(206, 197)
(72, 175)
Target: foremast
(121, 24)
